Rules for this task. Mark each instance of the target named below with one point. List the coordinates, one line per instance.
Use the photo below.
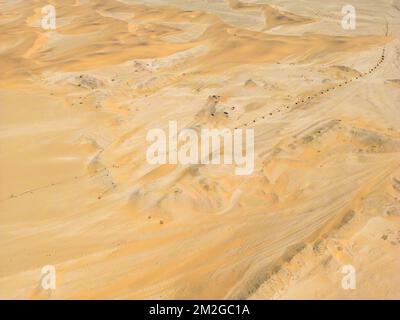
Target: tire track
(311, 97)
(285, 107)
(308, 98)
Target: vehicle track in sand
(306, 99)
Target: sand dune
(77, 192)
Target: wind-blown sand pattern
(77, 192)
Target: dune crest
(77, 193)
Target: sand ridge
(76, 191)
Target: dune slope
(76, 191)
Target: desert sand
(77, 193)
